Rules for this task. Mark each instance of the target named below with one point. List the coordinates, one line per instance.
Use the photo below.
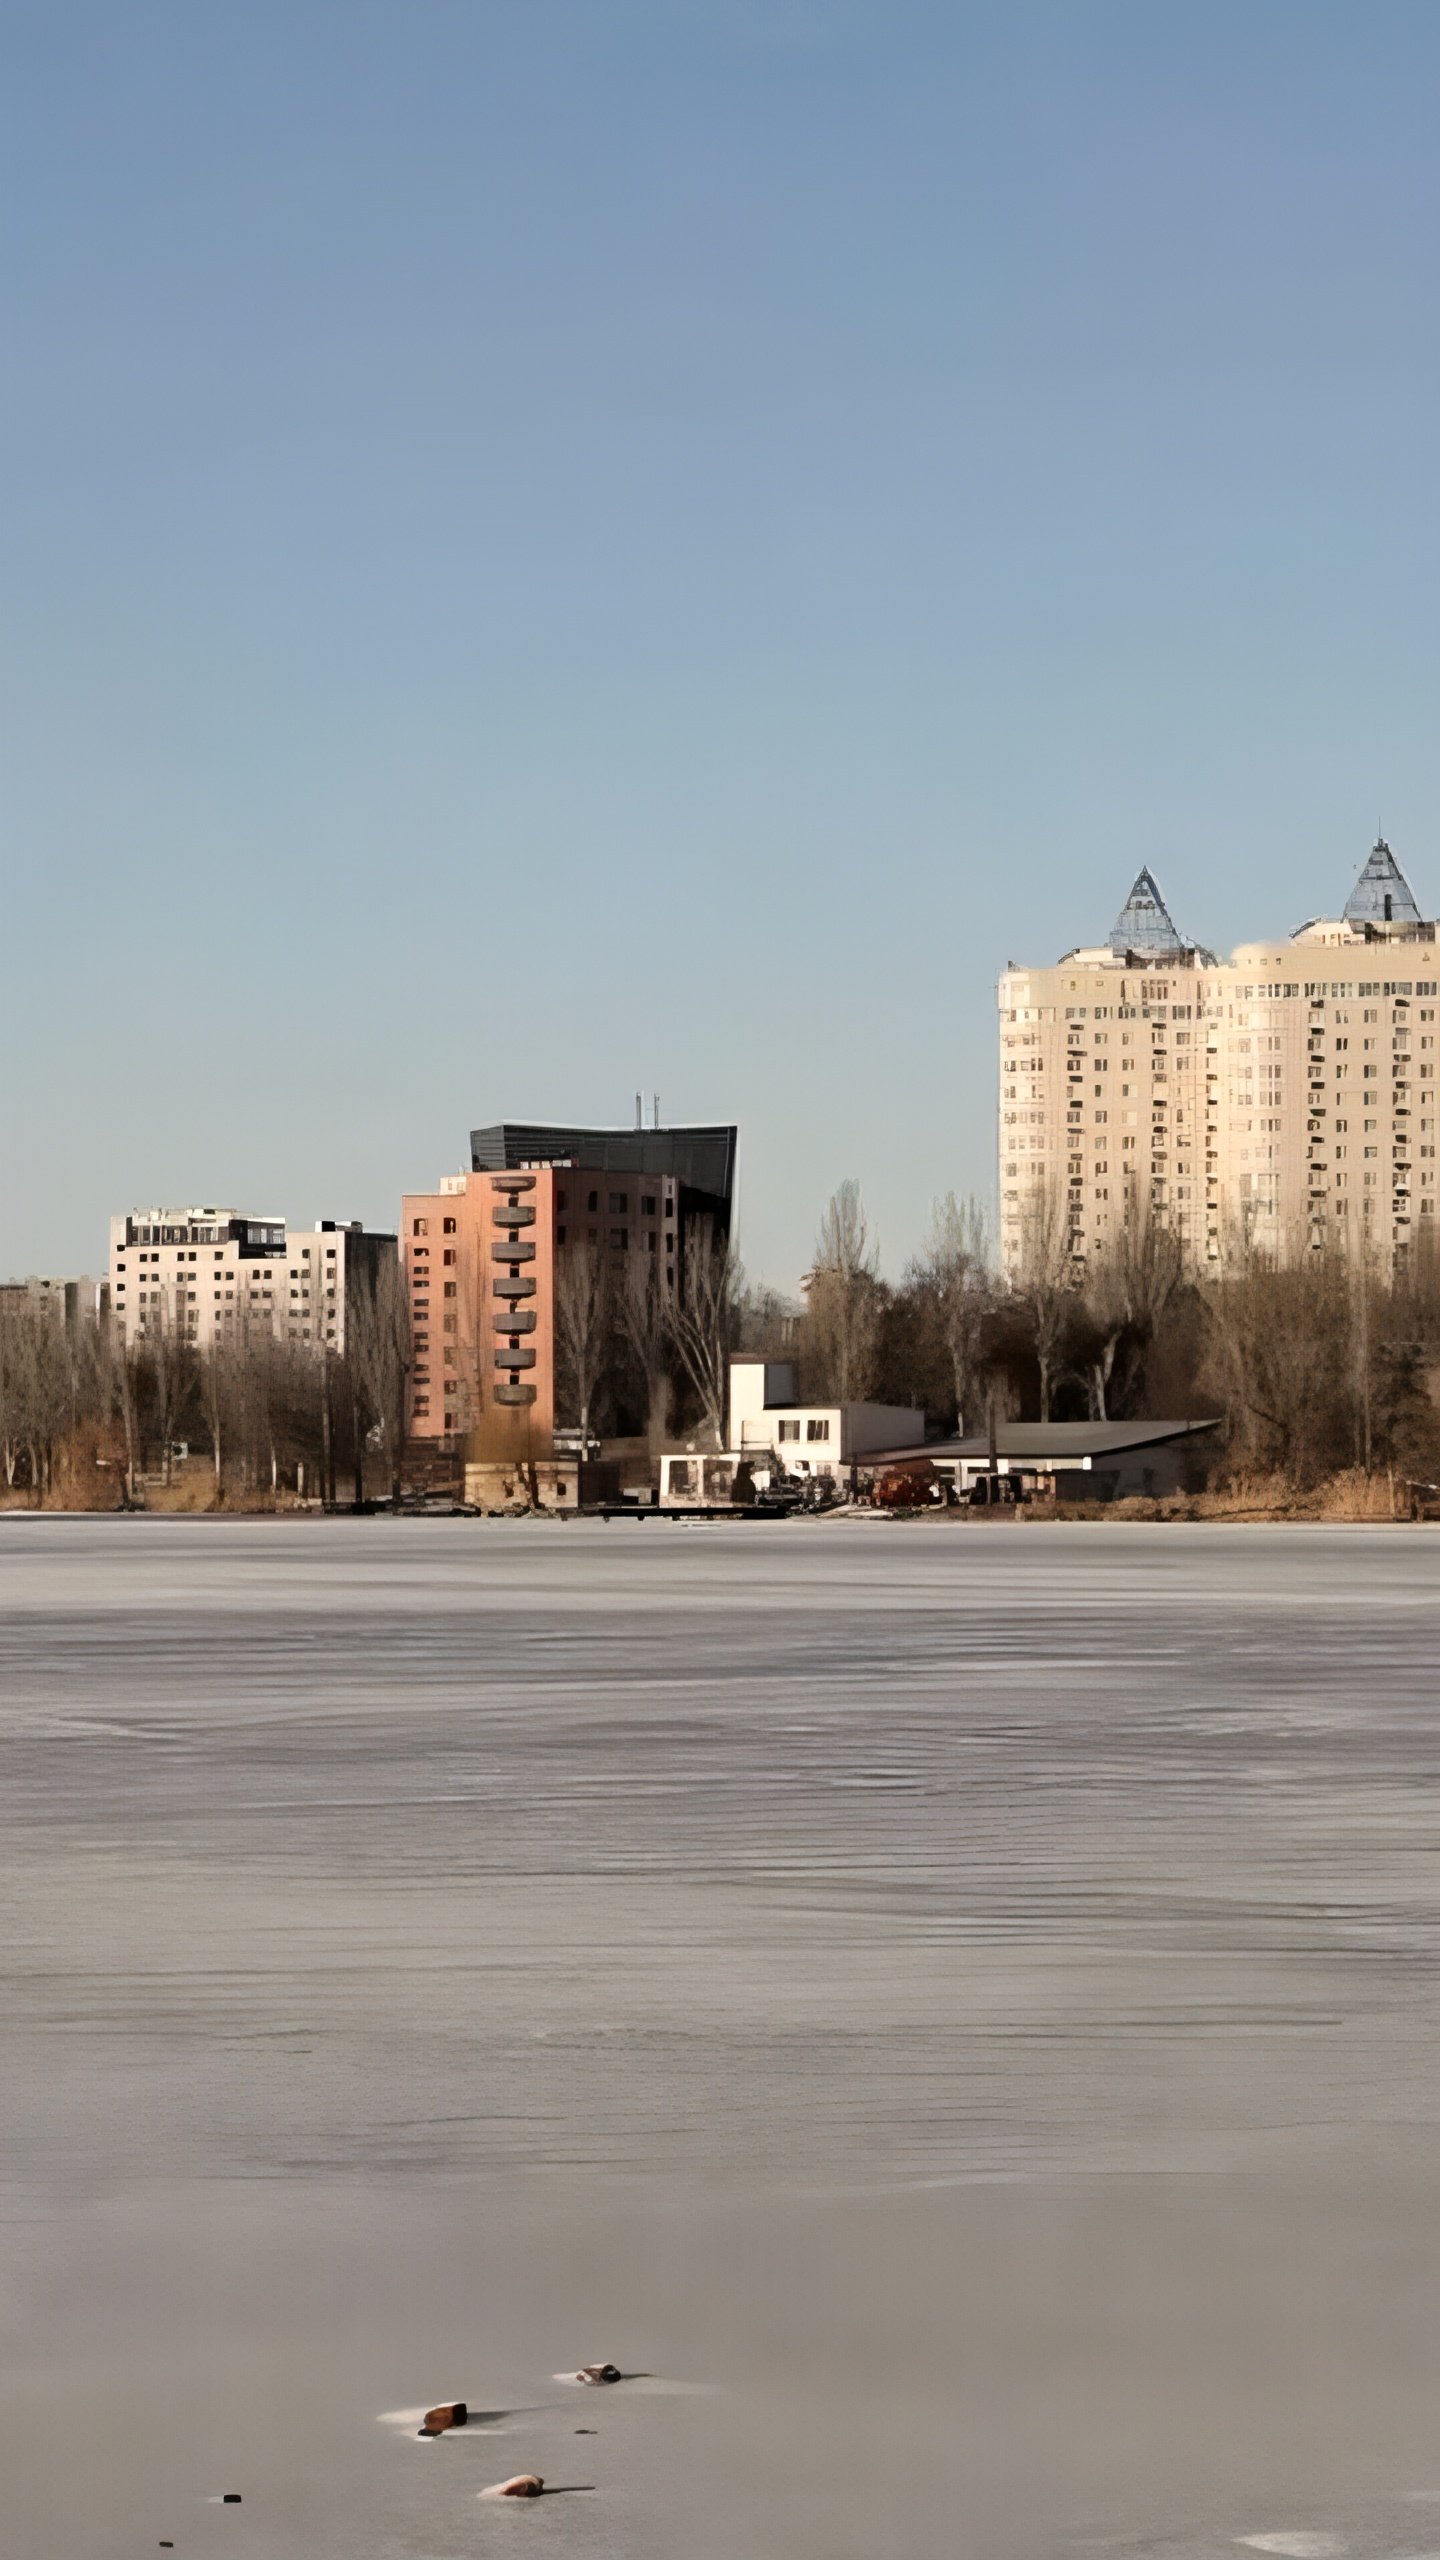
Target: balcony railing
(519, 1287)
(513, 1213)
(514, 1359)
(519, 1320)
(515, 1395)
(512, 1250)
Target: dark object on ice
(584, 2431)
(526, 2484)
(451, 2413)
(599, 2373)
(231, 2498)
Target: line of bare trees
(85, 1420)
(1314, 1363)
(642, 1350)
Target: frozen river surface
(957, 2005)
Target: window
(789, 1430)
(620, 1238)
(559, 1199)
(619, 1203)
(448, 1225)
(420, 1227)
(648, 1208)
(449, 1253)
(669, 1208)
(593, 1202)
(818, 1427)
(653, 1241)
(450, 1288)
(559, 1235)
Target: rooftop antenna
(657, 1110)
(639, 1111)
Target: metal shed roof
(1056, 1444)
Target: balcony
(515, 1395)
(519, 1320)
(513, 1213)
(515, 1182)
(514, 1359)
(514, 1288)
(513, 1251)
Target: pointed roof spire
(1144, 922)
(1382, 894)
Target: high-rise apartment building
(205, 1274)
(1285, 1096)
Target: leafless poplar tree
(644, 1326)
(701, 1311)
(584, 1325)
(1129, 1290)
(170, 1367)
(379, 1348)
(1046, 1280)
(953, 1264)
(842, 1310)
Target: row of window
(620, 1206)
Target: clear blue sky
(577, 544)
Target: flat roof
(1050, 1443)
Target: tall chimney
(639, 1111)
(657, 1110)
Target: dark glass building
(702, 1161)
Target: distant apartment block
(74, 1301)
(1285, 1096)
(208, 1274)
(483, 1252)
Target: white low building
(774, 1436)
(770, 1427)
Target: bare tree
(953, 1265)
(842, 1301)
(584, 1326)
(36, 1388)
(701, 1311)
(217, 1389)
(1278, 1339)
(1128, 1293)
(642, 1311)
(170, 1368)
(767, 1321)
(1046, 1279)
(378, 1326)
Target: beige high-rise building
(1285, 1096)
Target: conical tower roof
(1382, 894)
(1144, 922)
